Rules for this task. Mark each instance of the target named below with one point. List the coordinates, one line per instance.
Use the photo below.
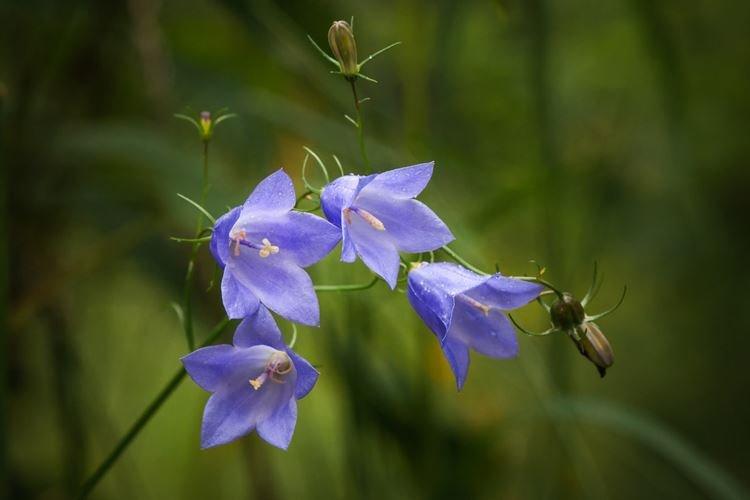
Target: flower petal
(274, 195)
(307, 376)
(457, 355)
(348, 252)
(489, 333)
(223, 366)
(230, 414)
(505, 293)
(279, 427)
(410, 223)
(279, 283)
(259, 329)
(338, 195)
(434, 308)
(448, 277)
(376, 250)
(406, 182)
(305, 238)
(219, 244)
(238, 300)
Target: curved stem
(187, 290)
(346, 288)
(461, 260)
(360, 126)
(145, 417)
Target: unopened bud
(206, 125)
(344, 48)
(567, 313)
(595, 346)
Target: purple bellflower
(379, 217)
(466, 310)
(255, 384)
(263, 247)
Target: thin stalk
(145, 417)
(461, 260)
(346, 288)
(186, 302)
(360, 126)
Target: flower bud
(567, 313)
(206, 125)
(595, 346)
(344, 48)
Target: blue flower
(255, 384)
(379, 218)
(465, 310)
(263, 246)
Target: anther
(475, 303)
(237, 237)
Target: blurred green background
(564, 131)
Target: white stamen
(237, 237)
(475, 303)
(278, 365)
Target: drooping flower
(379, 217)
(466, 310)
(264, 245)
(255, 384)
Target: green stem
(360, 126)
(461, 260)
(145, 417)
(186, 302)
(346, 288)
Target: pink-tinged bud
(206, 125)
(344, 48)
(595, 346)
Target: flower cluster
(264, 247)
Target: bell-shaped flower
(255, 384)
(467, 310)
(263, 247)
(379, 218)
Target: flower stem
(145, 417)
(360, 126)
(346, 288)
(461, 260)
(186, 302)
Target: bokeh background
(566, 131)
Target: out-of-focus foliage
(563, 131)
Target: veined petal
(406, 182)
(219, 244)
(505, 293)
(279, 427)
(222, 367)
(489, 333)
(232, 413)
(376, 250)
(305, 238)
(450, 278)
(279, 283)
(259, 329)
(457, 355)
(338, 195)
(307, 376)
(274, 195)
(432, 306)
(348, 252)
(238, 300)
(410, 223)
